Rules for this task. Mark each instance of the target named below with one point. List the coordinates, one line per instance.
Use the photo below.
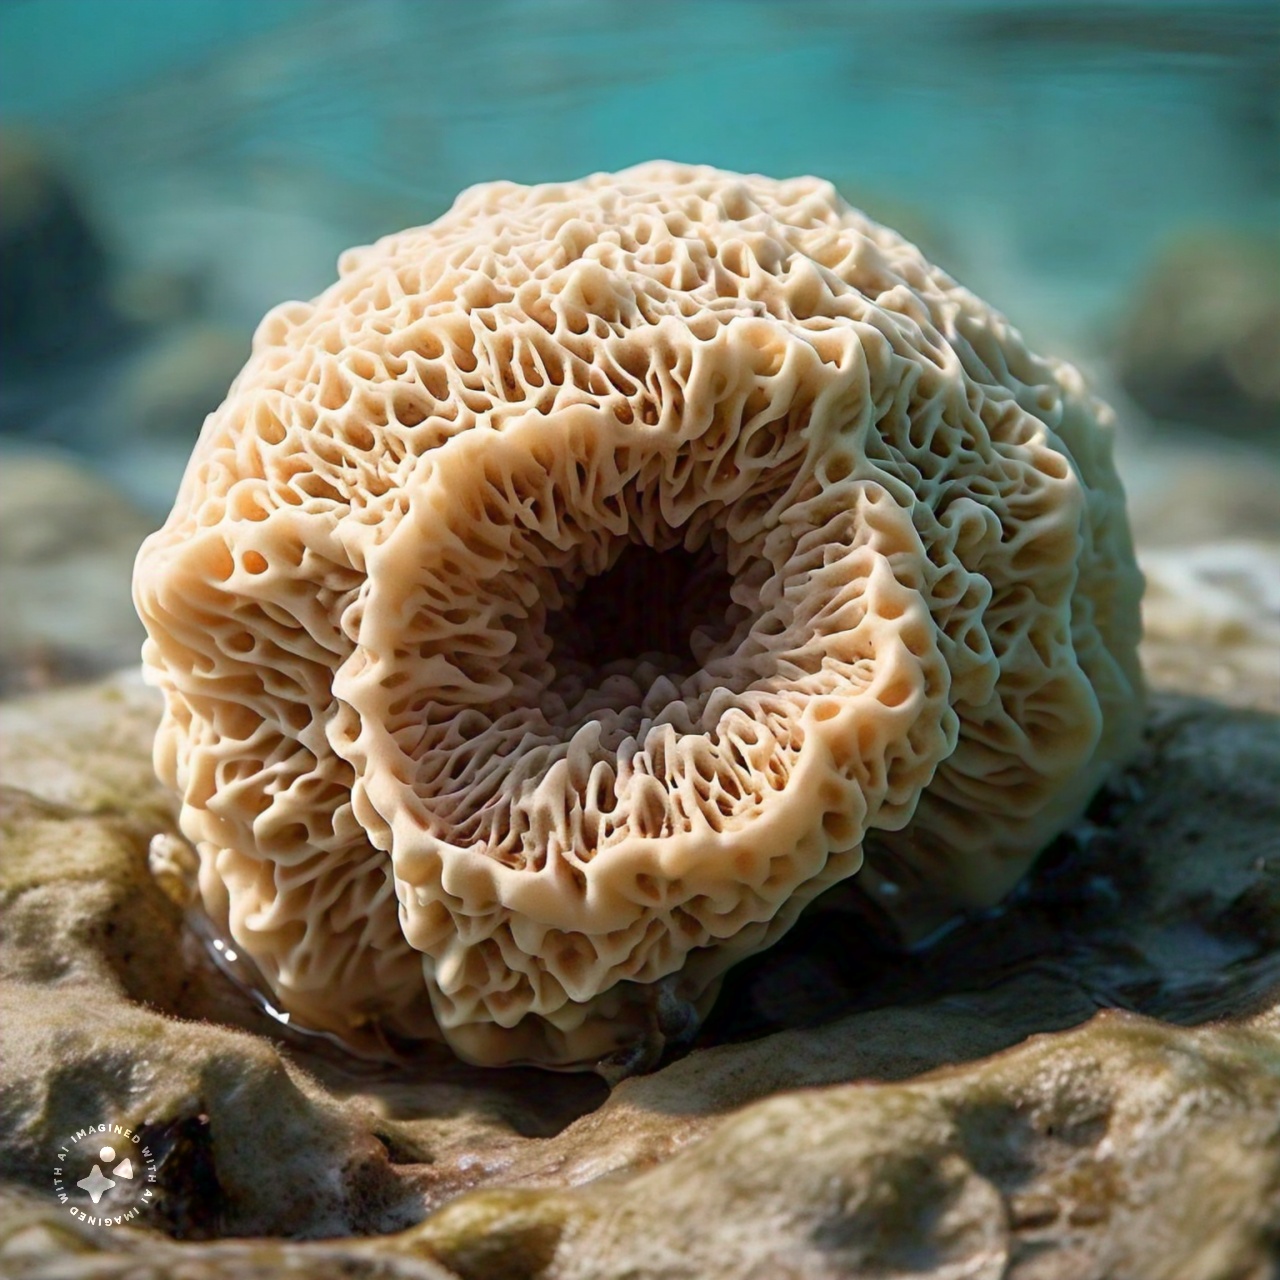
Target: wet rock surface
(1083, 1082)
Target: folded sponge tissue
(557, 602)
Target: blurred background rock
(1106, 173)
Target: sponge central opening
(665, 608)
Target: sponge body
(425, 803)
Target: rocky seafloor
(1084, 1082)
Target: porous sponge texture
(424, 804)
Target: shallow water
(222, 153)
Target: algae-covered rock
(1082, 1083)
(1126, 1147)
(90, 955)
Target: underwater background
(1106, 174)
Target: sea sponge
(556, 603)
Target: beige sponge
(557, 602)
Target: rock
(1201, 345)
(1211, 614)
(1083, 1082)
(67, 543)
(51, 260)
(1186, 495)
(1119, 1146)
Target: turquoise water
(227, 150)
